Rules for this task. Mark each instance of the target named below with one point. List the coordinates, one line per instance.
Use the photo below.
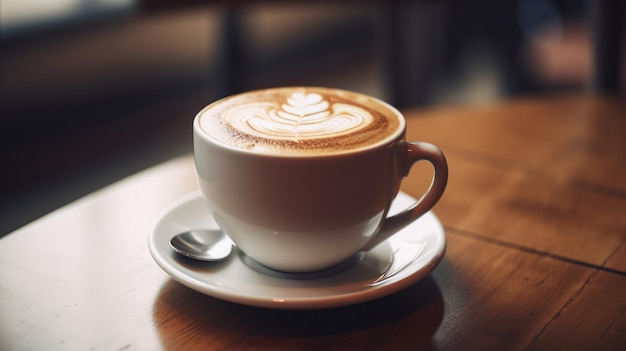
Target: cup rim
(390, 140)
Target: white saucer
(404, 259)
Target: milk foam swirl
(300, 121)
(303, 116)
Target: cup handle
(415, 151)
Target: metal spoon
(201, 244)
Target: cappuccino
(301, 179)
(300, 121)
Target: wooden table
(535, 217)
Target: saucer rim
(413, 273)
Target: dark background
(92, 91)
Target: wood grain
(573, 138)
(548, 175)
(497, 297)
(593, 319)
(532, 211)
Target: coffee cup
(302, 178)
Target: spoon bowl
(202, 244)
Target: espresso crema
(300, 120)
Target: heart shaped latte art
(303, 116)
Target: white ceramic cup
(309, 212)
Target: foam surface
(299, 120)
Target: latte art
(299, 120)
(302, 117)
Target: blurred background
(92, 91)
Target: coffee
(303, 178)
(301, 120)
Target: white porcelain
(306, 212)
(397, 263)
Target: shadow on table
(185, 318)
